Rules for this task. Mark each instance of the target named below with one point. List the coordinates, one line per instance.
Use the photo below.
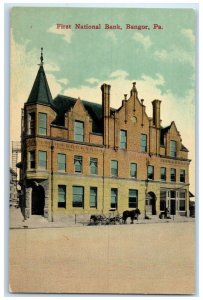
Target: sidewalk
(17, 221)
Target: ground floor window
(93, 197)
(133, 195)
(62, 196)
(78, 196)
(182, 198)
(114, 198)
(174, 200)
(163, 195)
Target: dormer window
(173, 148)
(79, 131)
(42, 123)
(31, 123)
(143, 142)
(123, 139)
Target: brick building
(13, 195)
(80, 157)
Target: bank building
(80, 157)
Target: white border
(4, 128)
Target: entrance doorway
(38, 200)
(150, 203)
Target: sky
(78, 62)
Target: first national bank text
(107, 26)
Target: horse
(133, 214)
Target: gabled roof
(164, 130)
(64, 103)
(40, 92)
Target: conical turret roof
(40, 92)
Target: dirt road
(136, 259)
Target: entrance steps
(35, 220)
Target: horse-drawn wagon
(101, 219)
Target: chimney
(105, 112)
(156, 113)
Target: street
(141, 258)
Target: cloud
(119, 74)
(92, 80)
(145, 41)
(66, 34)
(111, 35)
(175, 54)
(64, 81)
(188, 33)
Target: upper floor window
(31, 123)
(93, 166)
(61, 162)
(78, 163)
(42, 123)
(182, 175)
(163, 174)
(143, 143)
(31, 159)
(150, 172)
(173, 174)
(42, 160)
(173, 148)
(79, 131)
(123, 139)
(114, 168)
(133, 170)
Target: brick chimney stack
(106, 112)
(156, 113)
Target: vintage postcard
(102, 176)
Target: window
(78, 196)
(114, 168)
(163, 174)
(42, 160)
(173, 194)
(79, 131)
(62, 196)
(173, 174)
(42, 123)
(93, 197)
(93, 166)
(31, 158)
(61, 162)
(114, 198)
(182, 175)
(31, 123)
(133, 170)
(150, 172)
(143, 143)
(182, 196)
(173, 148)
(133, 198)
(78, 164)
(123, 139)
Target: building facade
(13, 199)
(80, 157)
